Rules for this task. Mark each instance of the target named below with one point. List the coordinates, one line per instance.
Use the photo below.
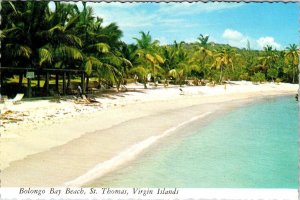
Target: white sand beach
(56, 143)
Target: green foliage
(244, 76)
(272, 73)
(292, 59)
(258, 77)
(33, 35)
(278, 80)
(45, 56)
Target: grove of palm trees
(66, 46)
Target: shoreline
(129, 154)
(145, 165)
(186, 130)
(49, 141)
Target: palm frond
(19, 50)
(58, 27)
(91, 62)
(159, 58)
(101, 47)
(44, 56)
(173, 73)
(69, 52)
(72, 39)
(140, 70)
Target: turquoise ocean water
(250, 147)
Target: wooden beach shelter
(40, 74)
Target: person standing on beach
(136, 79)
(79, 91)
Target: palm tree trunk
(47, 83)
(145, 82)
(221, 73)
(181, 81)
(64, 83)
(118, 86)
(99, 85)
(1, 82)
(82, 82)
(38, 81)
(154, 76)
(293, 74)
(87, 84)
(166, 83)
(202, 61)
(29, 90)
(20, 79)
(56, 83)
(68, 81)
(38, 90)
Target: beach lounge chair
(85, 99)
(17, 98)
(89, 99)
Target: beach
(60, 144)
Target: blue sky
(274, 24)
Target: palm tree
(145, 42)
(203, 40)
(142, 73)
(182, 66)
(292, 57)
(127, 52)
(182, 71)
(201, 53)
(148, 51)
(170, 61)
(223, 59)
(21, 25)
(101, 48)
(35, 36)
(268, 60)
(63, 49)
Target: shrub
(258, 77)
(244, 76)
(278, 80)
(272, 73)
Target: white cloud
(264, 41)
(240, 40)
(235, 38)
(230, 34)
